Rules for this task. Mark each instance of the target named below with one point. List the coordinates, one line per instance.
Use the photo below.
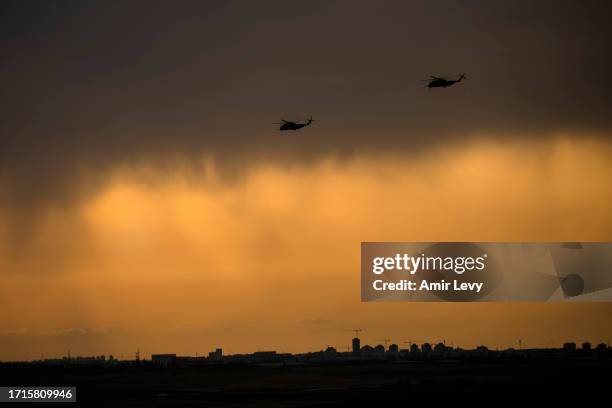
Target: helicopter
(288, 125)
(437, 82)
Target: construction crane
(357, 332)
(386, 341)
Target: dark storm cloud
(87, 85)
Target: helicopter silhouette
(287, 125)
(437, 82)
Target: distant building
(330, 351)
(482, 350)
(366, 350)
(86, 360)
(569, 346)
(393, 348)
(586, 346)
(264, 356)
(379, 349)
(414, 348)
(426, 348)
(440, 348)
(356, 345)
(163, 359)
(216, 355)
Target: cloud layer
(180, 262)
(91, 86)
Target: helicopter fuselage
(292, 126)
(286, 125)
(440, 83)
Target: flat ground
(584, 381)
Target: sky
(147, 199)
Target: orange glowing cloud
(174, 260)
